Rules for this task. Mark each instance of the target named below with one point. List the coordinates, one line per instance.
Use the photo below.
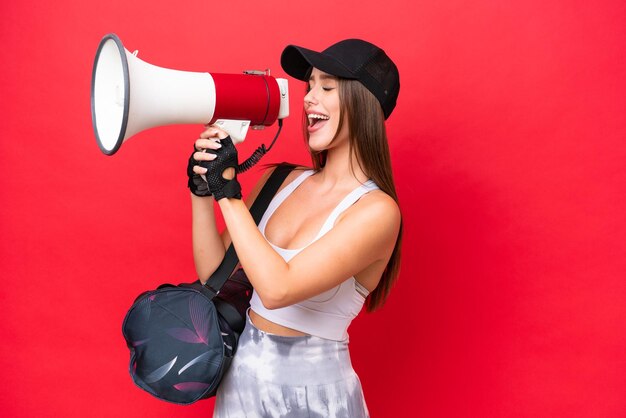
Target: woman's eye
(309, 88)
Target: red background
(508, 146)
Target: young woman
(328, 243)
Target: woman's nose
(309, 98)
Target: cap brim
(298, 61)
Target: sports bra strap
(347, 201)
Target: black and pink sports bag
(182, 338)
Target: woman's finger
(213, 131)
(202, 144)
(199, 170)
(204, 156)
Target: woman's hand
(208, 140)
(197, 185)
(218, 161)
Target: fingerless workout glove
(196, 183)
(226, 158)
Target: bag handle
(228, 264)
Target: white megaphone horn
(129, 95)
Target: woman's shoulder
(294, 171)
(374, 206)
(373, 222)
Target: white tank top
(328, 314)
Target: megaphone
(129, 95)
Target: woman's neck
(342, 168)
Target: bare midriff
(272, 327)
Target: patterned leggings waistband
(292, 360)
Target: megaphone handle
(237, 129)
(256, 155)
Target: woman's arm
(365, 235)
(209, 246)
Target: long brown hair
(368, 141)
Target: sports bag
(182, 338)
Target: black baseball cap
(354, 59)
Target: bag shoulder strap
(228, 264)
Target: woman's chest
(299, 220)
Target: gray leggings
(290, 377)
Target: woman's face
(322, 106)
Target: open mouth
(316, 118)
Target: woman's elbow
(207, 259)
(205, 269)
(273, 299)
